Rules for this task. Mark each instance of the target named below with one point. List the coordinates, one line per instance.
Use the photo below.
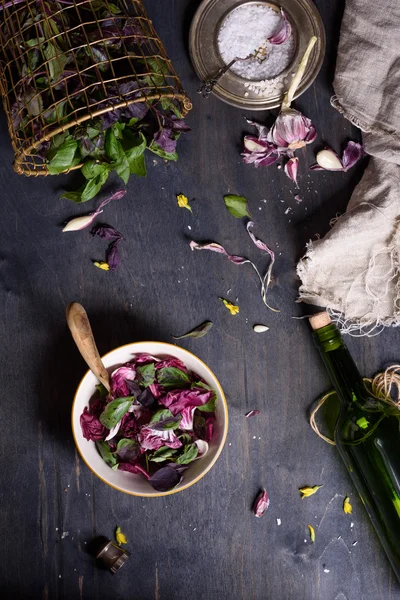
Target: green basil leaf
(92, 168)
(34, 102)
(64, 157)
(92, 132)
(74, 196)
(189, 454)
(118, 129)
(102, 390)
(147, 374)
(93, 186)
(162, 454)
(135, 146)
(168, 104)
(210, 406)
(197, 332)
(113, 8)
(237, 206)
(56, 113)
(122, 169)
(56, 61)
(114, 411)
(158, 68)
(137, 166)
(105, 453)
(34, 42)
(185, 438)
(201, 384)
(113, 147)
(128, 449)
(172, 377)
(154, 147)
(164, 419)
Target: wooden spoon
(79, 325)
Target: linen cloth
(354, 270)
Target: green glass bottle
(367, 436)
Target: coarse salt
(243, 32)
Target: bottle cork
(320, 320)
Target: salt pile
(244, 31)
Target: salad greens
(157, 419)
(78, 60)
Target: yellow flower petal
(312, 533)
(183, 202)
(102, 265)
(233, 309)
(120, 537)
(309, 491)
(347, 507)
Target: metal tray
(203, 43)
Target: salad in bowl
(162, 425)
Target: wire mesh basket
(64, 63)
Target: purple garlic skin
(261, 503)
(292, 130)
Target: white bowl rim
(211, 464)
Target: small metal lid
(112, 556)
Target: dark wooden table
(203, 543)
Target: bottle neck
(342, 369)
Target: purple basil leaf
(128, 450)
(146, 398)
(178, 468)
(112, 255)
(165, 479)
(177, 124)
(164, 139)
(109, 118)
(106, 232)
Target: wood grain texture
(205, 542)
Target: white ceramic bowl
(137, 485)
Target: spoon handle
(79, 325)
(209, 84)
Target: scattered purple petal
(252, 413)
(291, 168)
(214, 247)
(259, 243)
(111, 234)
(352, 154)
(261, 503)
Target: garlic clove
(80, 222)
(260, 328)
(329, 160)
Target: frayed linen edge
(363, 327)
(337, 103)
